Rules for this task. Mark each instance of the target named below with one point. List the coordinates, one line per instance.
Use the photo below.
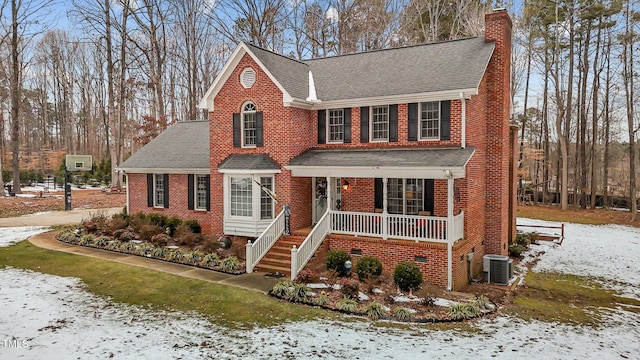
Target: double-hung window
(430, 120)
(158, 190)
(201, 192)
(405, 196)
(336, 125)
(380, 123)
(251, 195)
(249, 125)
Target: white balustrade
(300, 256)
(257, 249)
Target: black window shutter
(322, 126)
(364, 124)
(393, 123)
(378, 190)
(190, 191)
(166, 190)
(236, 130)
(259, 131)
(207, 181)
(445, 120)
(347, 125)
(428, 195)
(413, 122)
(150, 190)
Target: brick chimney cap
(499, 9)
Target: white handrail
(458, 226)
(300, 256)
(257, 249)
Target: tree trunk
(15, 98)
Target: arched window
(249, 125)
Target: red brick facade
(485, 194)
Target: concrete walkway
(255, 281)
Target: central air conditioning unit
(499, 268)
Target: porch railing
(300, 256)
(257, 249)
(410, 227)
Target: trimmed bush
(336, 260)
(86, 240)
(407, 276)
(516, 250)
(145, 249)
(193, 225)
(368, 266)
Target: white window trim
(255, 194)
(155, 197)
(242, 77)
(371, 138)
(328, 130)
(420, 138)
(195, 193)
(242, 113)
(404, 193)
(272, 202)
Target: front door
(321, 197)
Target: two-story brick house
(406, 154)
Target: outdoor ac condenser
(499, 268)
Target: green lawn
(224, 305)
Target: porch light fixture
(345, 185)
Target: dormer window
(248, 78)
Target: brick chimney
(500, 208)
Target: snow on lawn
(45, 314)
(609, 252)
(9, 236)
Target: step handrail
(257, 249)
(300, 256)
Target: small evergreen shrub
(374, 310)
(368, 266)
(193, 225)
(159, 252)
(230, 264)
(176, 255)
(127, 247)
(336, 260)
(321, 300)
(193, 257)
(516, 250)
(86, 240)
(145, 249)
(211, 260)
(281, 288)
(114, 244)
(347, 304)
(297, 293)
(407, 276)
(462, 311)
(306, 276)
(101, 241)
(157, 219)
(403, 313)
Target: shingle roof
(248, 162)
(292, 74)
(390, 158)
(442, 66)
(182, 146)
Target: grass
(224, 305)
(578, 216)
(569, 299)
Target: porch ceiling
(391, 163)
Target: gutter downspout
(126, 178)
(463, 140)
(449, 230)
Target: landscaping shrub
(349, 287)
(86, 240)
(188, 239)
(374, 310)
(281, 288)
(127, 247)
(321, 300)
(114, 244)
(176, 255)
(462, 311)
(407, 276)
(297, 293)
(159, 252)
(403, 314)
(428, 301)
(336, 260)
(161, 240)
(193, 257)
(368, 266)
(230, 264)
(193, 225)
(347, 304)
(68, 236)
(145, 249)
(158, 220)
(211, 260)
(147, 231)
(172, 223)
(101, 241)
(516, 250)
(306, 276)
(484, 303)
(115, 224)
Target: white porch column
(385, 225)
(449, 231)
(463, 115)
(328, 191)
